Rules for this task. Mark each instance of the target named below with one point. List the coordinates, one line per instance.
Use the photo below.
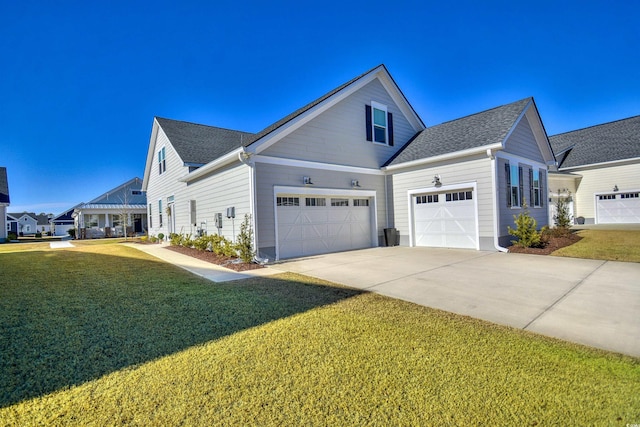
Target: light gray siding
(522, 142)
(338, 135)
(472, 169)
(270, 175)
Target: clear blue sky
(80, 81)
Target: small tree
(526, 229)
(562, 218)
(245, 240)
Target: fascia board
(212, 166)
(540, 133)
(315, 165)
(597, 165)
(444, 157)
(150, 153)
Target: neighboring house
(599, 169)
(63, 222)
(339, 172)
(44, 223)
(27, 223)
(12, 224)
(4, 202)
(107, 214)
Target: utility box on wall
(218, 219)
(231, 212)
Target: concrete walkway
(596, 303)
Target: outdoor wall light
(436, 181)
(615, 188)
(355, 183)
(307, 180)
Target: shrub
(153, 239)
(187, 242)
(227, 248)
(72, 232)
(201, 243)
(38, 235)
(12, 236)
(245, 240)
(160, 236)
(525, 231)
(562, 218)
(144, 238)
(175, 239)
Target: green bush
(202, 243)
(526, 229)
(153, 239)
(562, 218)
(160, 236)
(245, 240)
(175, 239)
(72, 232)
(38, 235)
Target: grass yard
(609, 245)
(105, 335)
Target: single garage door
(310, 225)
(618, 208)
(445, 219)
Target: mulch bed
(230, 263)
(554, 244)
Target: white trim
(213, 165)
(442, 189)
(515, 158)
(378, 106)
(595, 165)
(305, 191)
(443, 157)
(150, 154)
(315, 165)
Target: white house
(599, 168)
(340, 171)
(4, 202)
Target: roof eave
(448, 156)
(609, 163)
(212, 166)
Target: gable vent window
(379, 124)
(162, 162)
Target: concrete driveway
(596, 303)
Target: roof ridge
(595, 126)
(530, 98)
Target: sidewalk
(198, 267)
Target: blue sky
(80, 82)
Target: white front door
(445, 219)
(316, 224)
(618, 208)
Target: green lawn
(105, 335)
(609, 245)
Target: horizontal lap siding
(522, 142)
(227, 187)
(268, 176)
(472, 170)
(601, 180)
(338, 135)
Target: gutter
(496, 208)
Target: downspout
(244, 157)
(494, 194)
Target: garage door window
(288, 201)
(426, 199)
(460, 195)
(339, 202)
(607, 197)
(360, 202)
(316, 201)
(629, 195)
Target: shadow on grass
(70, 316)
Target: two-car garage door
(446, 219)
(315, 224)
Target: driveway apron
(590, 302)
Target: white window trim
(377, 106)
(162, 160)
(411, 193)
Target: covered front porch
(99, 221)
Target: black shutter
(543, 189)
(521, 179)
(367, 111)
(390, 128)
(532, 200)
(507, 171)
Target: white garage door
(618, 208)
(446, 219)
(310, 225)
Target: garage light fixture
(307, 180)
(436, 181)
(355, 183)
(615, 187)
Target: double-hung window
(162, 162)
(513, 175)
(534, 182)
(160, 212)
(379, 124)
(150, 216)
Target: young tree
(245, 240)
(562, 218)
(526, 229)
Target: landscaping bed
(553, 244)
(231, 263)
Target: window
(91, 220)
(459, 195)
(360, 202)
(136, 192)
(514, 185)
(379, 124)
(426, 199)
(316, 201)
(607, 197)
(160, 213)
(629, 195)
(288, 201)
(534, 182)
(150, 217)
(162, 162)
(339, 202)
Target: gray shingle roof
(123, 194)
(607, 142)
(477, 130)
(4, 186)
(200, 144)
